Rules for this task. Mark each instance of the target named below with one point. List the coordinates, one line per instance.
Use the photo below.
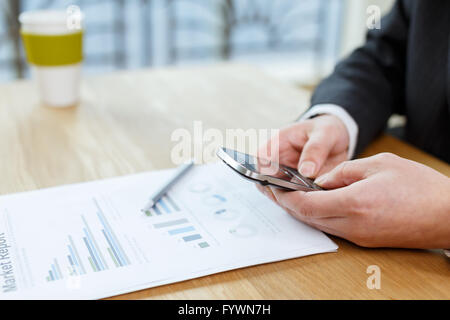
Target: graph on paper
(90, 241)
(164, 206)
(97, 257)
(183, 230)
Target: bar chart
(183, 230)
(55, 272)
(164, 206)
(96, 257)
(91, 241)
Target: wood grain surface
(123, 125)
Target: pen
(163, 190)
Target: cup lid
(50, 21)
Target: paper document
(91, 240)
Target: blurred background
(295, 40)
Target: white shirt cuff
(344, 116)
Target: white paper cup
(58, 82)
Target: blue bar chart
(184, 230)
(181, 230)
(192, 237)
(115, 249)
(97, 257)
(55, 272)
(164, 206)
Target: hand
(381, 201)
(313, 146)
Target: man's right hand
(314, 146)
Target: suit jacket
(403, 68)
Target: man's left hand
(380, 201)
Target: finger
(285, 147)
(260, 188)
(266, 191)
(266, 150)
(334, 226)
(315, 152)
(270, 194)
(345, 174)
(317, 204)
(332, 162)
(297, 135)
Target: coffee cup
(53, 42)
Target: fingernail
(307, 168)
(270, 192)
(321, 180)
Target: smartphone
(266, 172)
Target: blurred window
(290, 38)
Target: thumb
(315, 153)
(347, 173)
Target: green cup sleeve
(53, 50)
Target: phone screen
(269, 168)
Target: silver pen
(165, 188)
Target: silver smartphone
(266, 172)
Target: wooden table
(123, 126)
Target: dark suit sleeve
(370, 83)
